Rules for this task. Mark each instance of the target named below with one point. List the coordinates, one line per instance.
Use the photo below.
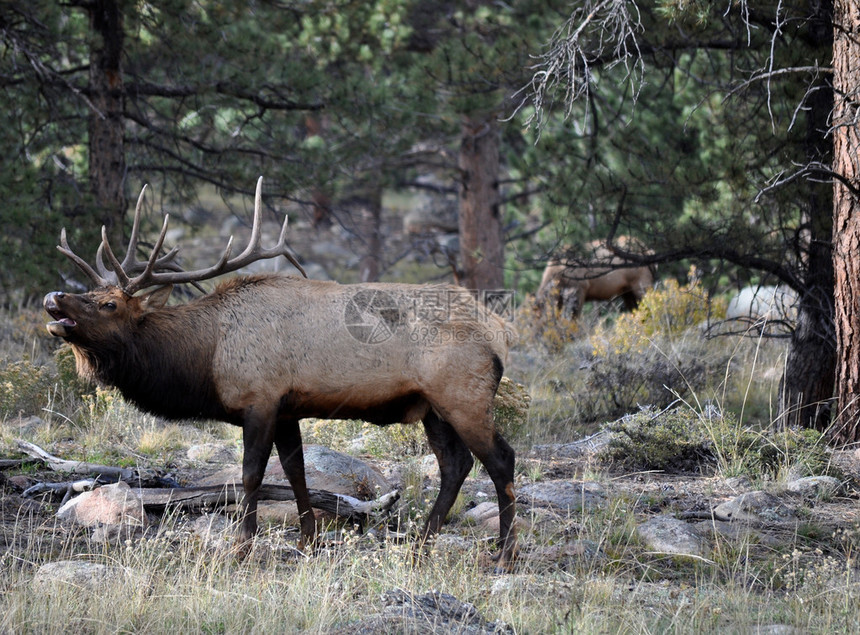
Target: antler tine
(129, 259)
(106, 273)
(121, 275)
(64, 249)
(253, 251)
(256, 229)
(142, 280)
(282, 247)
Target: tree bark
(808, 385)
(107, 167)
(846, 215)
(481, 248)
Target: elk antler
(164, 270)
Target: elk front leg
(288, 440)
(257, 437)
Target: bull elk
(264, 351)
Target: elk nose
(52, 297)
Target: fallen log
(103, 472)
(16, 464)
(67, 489)
(213, 495)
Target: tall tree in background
(185, 93)
(846, 212)
(105, 120)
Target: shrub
(671, 441)
(665, 312)
(654, 354)
(546, 325)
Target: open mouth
(62, 323)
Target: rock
(763, 302)
(816, 486)
(757, 506)
(21, 481)
(481, 512)
(79, 574)
(113, 504)
(667, 534)
(738, 533)
(573, 450)
(25, 426)
(566, 495)
(208, 526)
(738, 484)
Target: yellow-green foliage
(667, 310)
(67, 373)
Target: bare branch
(595, 29)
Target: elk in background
(264, 351)
(568, 283)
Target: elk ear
(156, 299)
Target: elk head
(113, 305)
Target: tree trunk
(807, 388)
(107, 167)
(846, 215)
(481, 249)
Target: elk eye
(110, 306)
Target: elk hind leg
(498, 458)
(288, 440)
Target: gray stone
(426, 614)
(667, 534)
(816, 486)
(325, 469)
(755, 506)
(79, 574)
